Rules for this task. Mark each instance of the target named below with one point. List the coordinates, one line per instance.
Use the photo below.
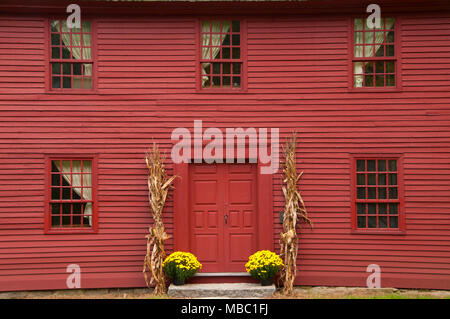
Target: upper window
(374, 54)
(71, 60)
(221, 60)
(377, 199)
(71, 204)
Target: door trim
(181, 207)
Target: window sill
(221, 91)
(72, 91)
(70, 231)
(375, 90)
(378, 232)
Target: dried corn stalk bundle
(158, 186)
(294, 210)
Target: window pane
(66, 193)
(87, 83)
(236, 68)
(393, 209)
(56, 68)
(379, 81)
(393, 193)
(372, 221)
(390, 23)
(67, 82)
(369, 37)
(393, 222)
(390, 50)
(382, 193)
(368, 80)
(56, 52)
(55, 39)
(236, 39)
(361, 179)
(381, 179)
(392, 165)
(361, 221)
(360, 165)
(225, 53)
(77, 82)
(236, 26)
(86, 40)
(216, 68)
(359, 51)
(87, 53)
(379, 67)
(371, 193)
(361, 193)
(392, 179)
(236, 53)
(226, 40)
(236, 81)
(371, 179)
(390, 37)
(226, 68)
(382, 222)
(361, 208)
(372, 209)
(86, 25)
(390, 80)
(67, 68)
(225, 26)
(371, 165)
(56, 193)
(358, 37)
(358, 24)
(56, 82)
(390, 67)
(382, 209)
(65, 53)
(77, 69)
(55, 26)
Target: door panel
(223, 215)
(206, 217)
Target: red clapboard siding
(297, 80)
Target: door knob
(226, 218)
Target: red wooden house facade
(80, 106)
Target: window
(70, 204)
(374, 55)
(71, 63)
(221, 61)
(377, 198)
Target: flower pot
(266, 282)
(178, 281)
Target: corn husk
(158, 186)
(294, 210)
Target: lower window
(377, 198)
(70, 204)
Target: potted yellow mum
(264, 265)
(180, 266)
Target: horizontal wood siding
(297, 80)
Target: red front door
(223, 214)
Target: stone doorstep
(230, 290)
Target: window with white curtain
(221, 54)
(71, 201)
(374, 54)
(71, 55)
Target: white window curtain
(77, 180)
(215, 42)
(368, 50)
